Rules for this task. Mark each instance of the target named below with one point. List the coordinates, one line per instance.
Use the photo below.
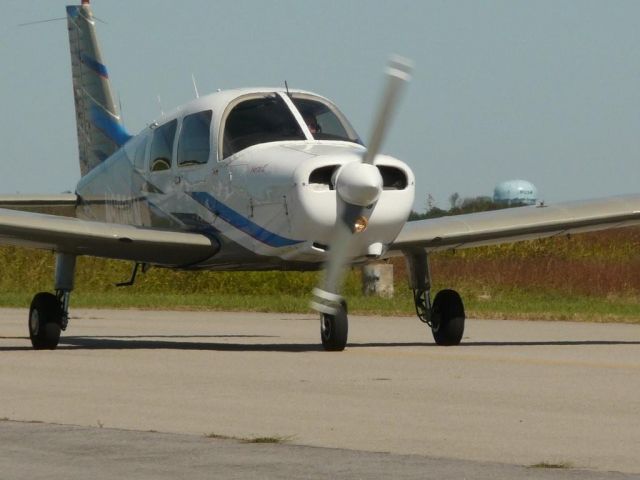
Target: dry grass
(593, 276)
(604, 264)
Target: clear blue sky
(548, 91)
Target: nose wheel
(334, 329)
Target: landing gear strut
(446, 315)
(49, 313)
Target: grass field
(593, 277)
(512, 304)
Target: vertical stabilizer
(100, 130)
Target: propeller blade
(327, 297)
(358, 185)
(398, 73)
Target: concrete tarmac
(514, 394)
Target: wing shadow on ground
(149, 343)
(173, 342)
(558, 343)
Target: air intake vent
(392, 178)
(323, 175)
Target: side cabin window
(194, 143)
(161, 154)
(324, 120)
(135, 150)
(259, 120)
(139, 153)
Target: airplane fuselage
(250, 169)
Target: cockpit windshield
(264, 118)
(324, 120)
(259, 120)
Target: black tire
(447, 317)
(334, 330)
(45, 320)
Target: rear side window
(162, 147)
(135, 150)
(194, 142)
(139, 157)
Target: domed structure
(516, 191)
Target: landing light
(360, 225)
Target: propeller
(358, 186)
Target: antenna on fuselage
(160, 104)
(286, 86)
(195, 86)
(120, 109)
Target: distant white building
(516, 191)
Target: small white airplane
(255, 179)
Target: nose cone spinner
(359, 183)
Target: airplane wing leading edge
(107, 240)
(516, 224)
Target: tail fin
(100, 130)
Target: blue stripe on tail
(109, 126)
(73, 11)
(94, 65)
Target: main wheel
(447, 318)
(45, 320)
(334, 330)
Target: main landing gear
(445, 316)
(49, 313)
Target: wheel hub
(325, 327)
(34, 322)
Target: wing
(125, 242)
(63, 204)
(515, 224)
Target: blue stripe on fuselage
(241, 223)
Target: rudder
(100, 129)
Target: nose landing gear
(334, 329)
(334, 323)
